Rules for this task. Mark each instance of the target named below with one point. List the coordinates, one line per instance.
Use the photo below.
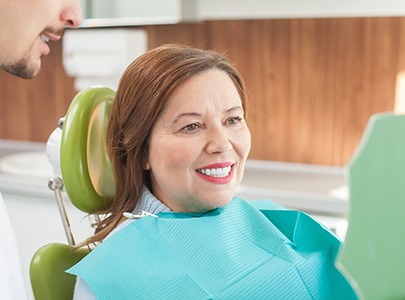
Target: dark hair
(142, 95)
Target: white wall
(245, 9)
(138, 12)
(136, 9)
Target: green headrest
(86, 168)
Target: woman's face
(199, 145)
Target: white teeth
(44, 38)
(216, 172)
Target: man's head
(25, 28)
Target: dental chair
(77, 152)
(372, 257)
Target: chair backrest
(47, 271)
(88, 181)
(373, 253)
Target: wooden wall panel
(313, 83)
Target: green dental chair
(89, 184)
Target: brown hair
(141, 97)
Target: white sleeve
(82, 291)
(11, 280)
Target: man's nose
(72, 15)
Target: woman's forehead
(209, 88)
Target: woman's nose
(218, 141)
(72, 14)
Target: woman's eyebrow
(232, 109)
(196, 114)
(188, 114)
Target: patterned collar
(147, 202)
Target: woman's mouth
(216, 172)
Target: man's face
(26, 26)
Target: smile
(216, 172)
(44, 38)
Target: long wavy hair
(144, 89)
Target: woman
(178, 143)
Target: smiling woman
(178, 142)
(192, 139)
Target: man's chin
(22, 69)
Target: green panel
(373, 253)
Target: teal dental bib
(233, 252)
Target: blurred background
(316, 71)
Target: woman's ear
(146, 165)
(145, 161)
(145, 158)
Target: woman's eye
(234, 120)
(190, 127)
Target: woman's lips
(217, 173)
